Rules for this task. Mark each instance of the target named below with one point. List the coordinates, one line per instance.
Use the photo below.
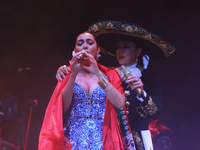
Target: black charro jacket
(152, 86)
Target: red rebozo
(52, 135)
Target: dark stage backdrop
(41, 34)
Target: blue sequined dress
(84, 127)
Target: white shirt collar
(133, 69)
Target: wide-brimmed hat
(107, 33)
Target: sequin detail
(85, 130)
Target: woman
(131, 43)
(89, 92)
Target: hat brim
(108, 33)
(109, 42)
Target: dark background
(41, 34)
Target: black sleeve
(152, 86)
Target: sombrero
(107, 33)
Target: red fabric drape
(51, 134)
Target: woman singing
(90, 93)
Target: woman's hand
(76, 67)
(62, 72)
(135, 82)
(90, 64)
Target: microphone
(127, 74)
(32, 103)
(80, 57)
(9, 144)
(2, 113)
(24, 69)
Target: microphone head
(80, 57)
(32, 103)
(35, 103)
(19, 70)
(126, 73)
(24, 69)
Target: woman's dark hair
(88, 33)
(140, 64)
(138, 45)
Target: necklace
(88, 107)
(88, 103)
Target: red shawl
(51, 135)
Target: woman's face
(127, 53)
(87, 42)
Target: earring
(97, 56)
(145, 59)
(73, 52)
